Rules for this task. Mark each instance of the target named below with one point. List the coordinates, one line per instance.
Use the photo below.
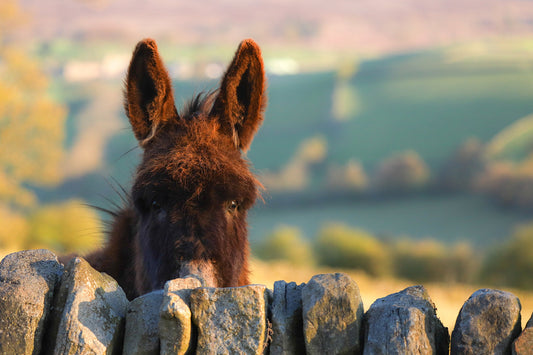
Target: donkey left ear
(241, 99)
(149, 100)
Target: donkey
(186, 213)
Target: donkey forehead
(197, 165)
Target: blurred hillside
(368, 26)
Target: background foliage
(336, 245)
(32, 131)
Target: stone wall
(49, 308)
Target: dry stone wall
(48, 308)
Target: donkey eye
(155, 205)
(233, 205)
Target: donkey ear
(148, 96)
(241, 99)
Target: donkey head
(193, 186)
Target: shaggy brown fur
(193, 187)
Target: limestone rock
(230, 320)
(27, 282)
(523, 345)
(182, 286)
(142, 325)
(287, 324)
(488, 323)
(175, 326)
(89, 312)
(332, 312)
(404, 323)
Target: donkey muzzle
(200, 269)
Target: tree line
(508, 264)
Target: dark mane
(201, 104)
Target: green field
(416, 102)
(447, 218)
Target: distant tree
(464, 263)
(312, 150)
(422, 261)
(31, 123)
(14, 231)
(31, 152)
(285, 243)
(11, 16)
(338, 245)
(509, 184)
(350, 177)
(296, 174)
(462, 169)
(66, 227)
(511, 265)
(403, 172)
(430, 260)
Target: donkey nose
(202, 270)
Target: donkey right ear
(241, 100)
(149, 100)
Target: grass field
(431, 106)
(446, 218)
(448, 298)
(420, 102)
